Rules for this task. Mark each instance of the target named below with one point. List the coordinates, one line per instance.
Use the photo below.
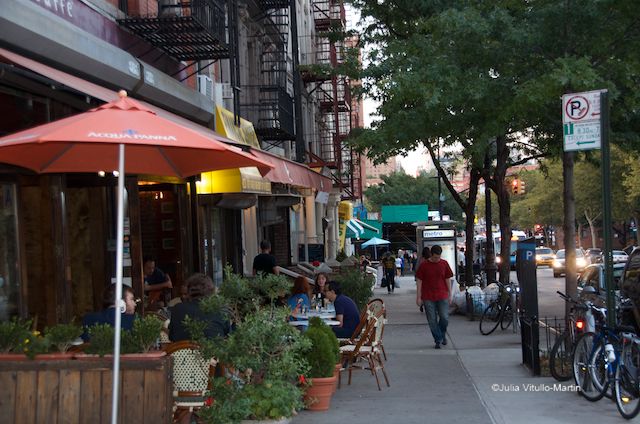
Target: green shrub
(61, 336)
(101, 339)
(316, 322)
(13, 333)
(357, 285)
(143, 336)
(320, 356)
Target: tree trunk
(502, 193)
(579, 235)
(469, 211)
(592, 228)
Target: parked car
(620, 256)
(559, 267)
(544, 256)
(593, 276)
(594, 255)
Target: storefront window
(9, 274)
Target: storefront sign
(63, 8)
(438, 233)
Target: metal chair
(191, 377)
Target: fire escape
(333, 92)
(267, 101)
(185, 30)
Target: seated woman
(319, 288)
(199, 286)
(299, 298)
(108, 314)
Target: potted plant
(263, 357)
(357, 285)
(13, 334)
(140, 340)
(322, 360)
(335, 345)
(61, 338)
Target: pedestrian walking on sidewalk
(433, 284)
(389, 265)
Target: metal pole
(297, 89)
(118, 314)
(606, 207)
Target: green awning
(368, 233)
(404, 213)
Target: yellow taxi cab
(544, 256)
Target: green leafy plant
(320, 356)
(316, 322)
(264, 355)
(34, 344)
(101, 339)
(12, 334)
(61, 336)
(143, 336)
(357, 285)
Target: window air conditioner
(205, 86)
(227, 91)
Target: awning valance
(293, 173)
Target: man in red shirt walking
(433, 282)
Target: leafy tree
(402, 189)
(487, 77)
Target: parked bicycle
(502, 310)
(627, 377)
(595, 358)
(580, 320)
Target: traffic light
(515, 186)
(521, 187)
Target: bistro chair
(366, 350)
(374, 307)
(191, 377)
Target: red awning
(289, 172)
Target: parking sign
(581, 121)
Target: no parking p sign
(581, 121)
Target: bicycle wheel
(507, 316)
(598, 369)
(581, 367)
(560, 359)
(490, 318)
(627, 382)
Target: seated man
(346, 311)
(199, 286)
(157, 284)
(108, 314)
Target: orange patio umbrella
(88, 142)
(96, 140)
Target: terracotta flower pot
(280, 421)
(13, 357)
(318, 396)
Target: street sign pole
(606, 208)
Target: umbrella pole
(118, 313)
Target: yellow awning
(244, 134)
(238, 180)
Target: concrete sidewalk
(474, 379)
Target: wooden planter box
(79, 391)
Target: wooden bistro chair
(365, 351)
(191, 377)
(373, 307)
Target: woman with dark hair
(199, 286)
(299, 299)
(126, 306)
(319, 288)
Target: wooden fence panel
(69, 407)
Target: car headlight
(556, 264)
(580, 262)
(498, 259)
(538, 257)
